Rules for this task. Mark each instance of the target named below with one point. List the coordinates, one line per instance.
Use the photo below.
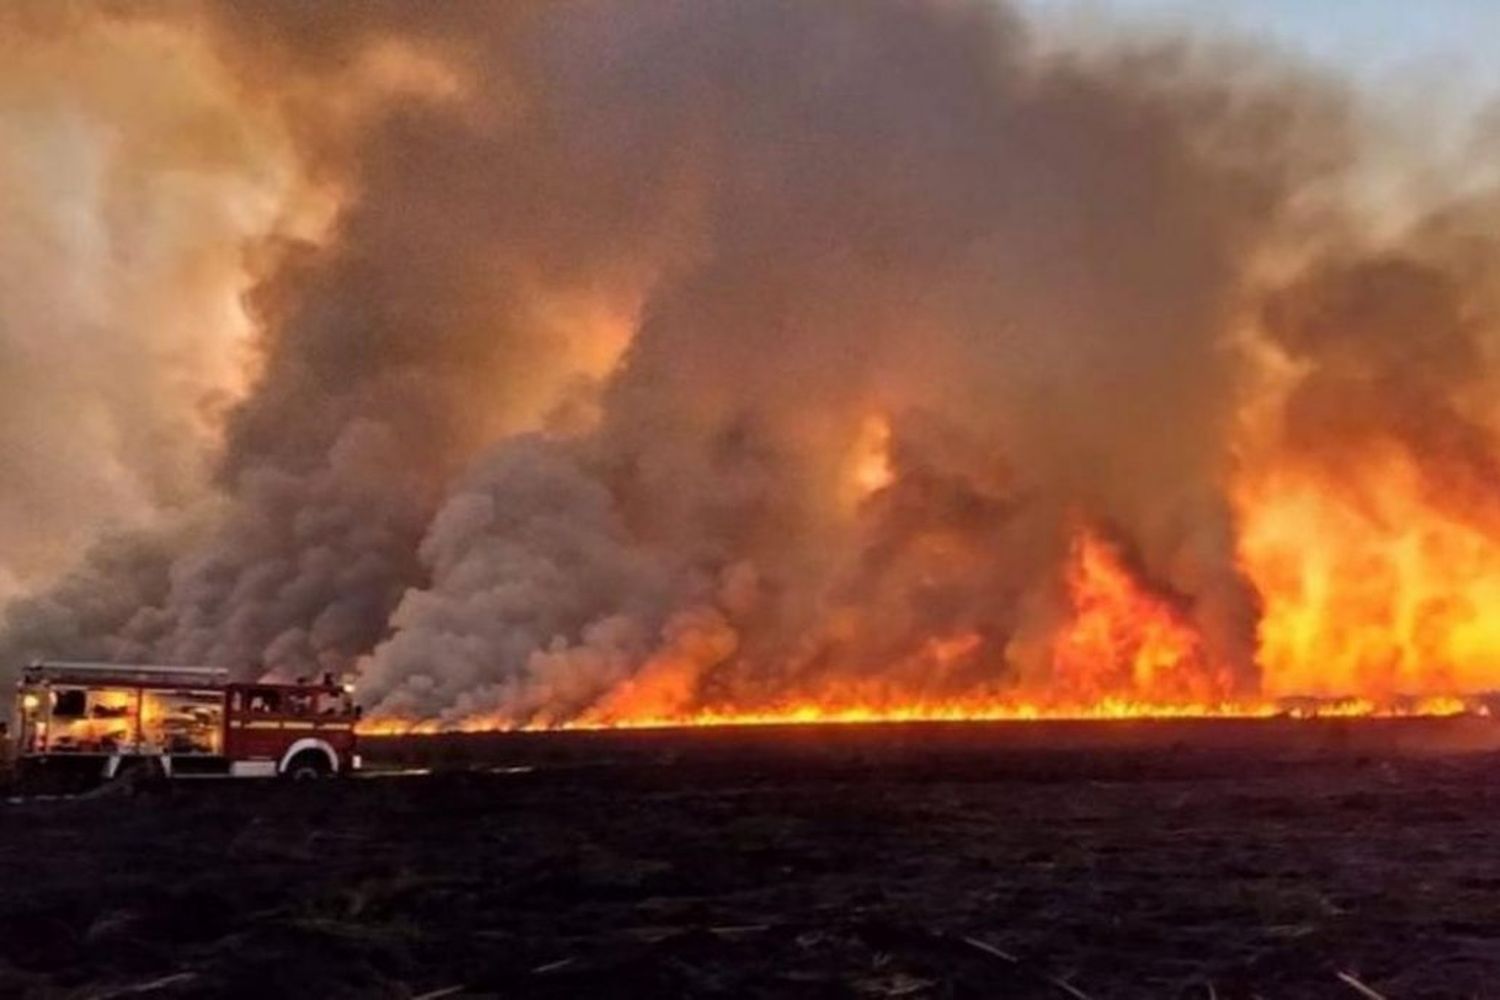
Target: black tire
(309, 765)
(141, 771)
(133, 776)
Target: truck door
(256, 715)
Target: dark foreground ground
(1166, 860)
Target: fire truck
(88, 722)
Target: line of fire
(1126, 650)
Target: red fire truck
(97, 721)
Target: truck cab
(301, 727)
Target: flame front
(1129, 652)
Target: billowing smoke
(130, 178)
(681, 355)
(1399, 355)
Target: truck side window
(330, 703)
(70, 704)
(265, 702)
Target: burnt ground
(1143, 860)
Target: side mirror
(359, 711)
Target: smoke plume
(130, 177)
(655, 358)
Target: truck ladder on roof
(41, 669)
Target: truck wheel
(141, 771)
(309, 765)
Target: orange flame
(1127, 653)
(1387, 595)
(870, 468)
(1105, 710)
(1125, 639)
(1377, 601)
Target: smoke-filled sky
(642, 359)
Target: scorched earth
(1236, 859)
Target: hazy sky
(1444, 44)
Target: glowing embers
(1108, 710)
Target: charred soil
(920, 861)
